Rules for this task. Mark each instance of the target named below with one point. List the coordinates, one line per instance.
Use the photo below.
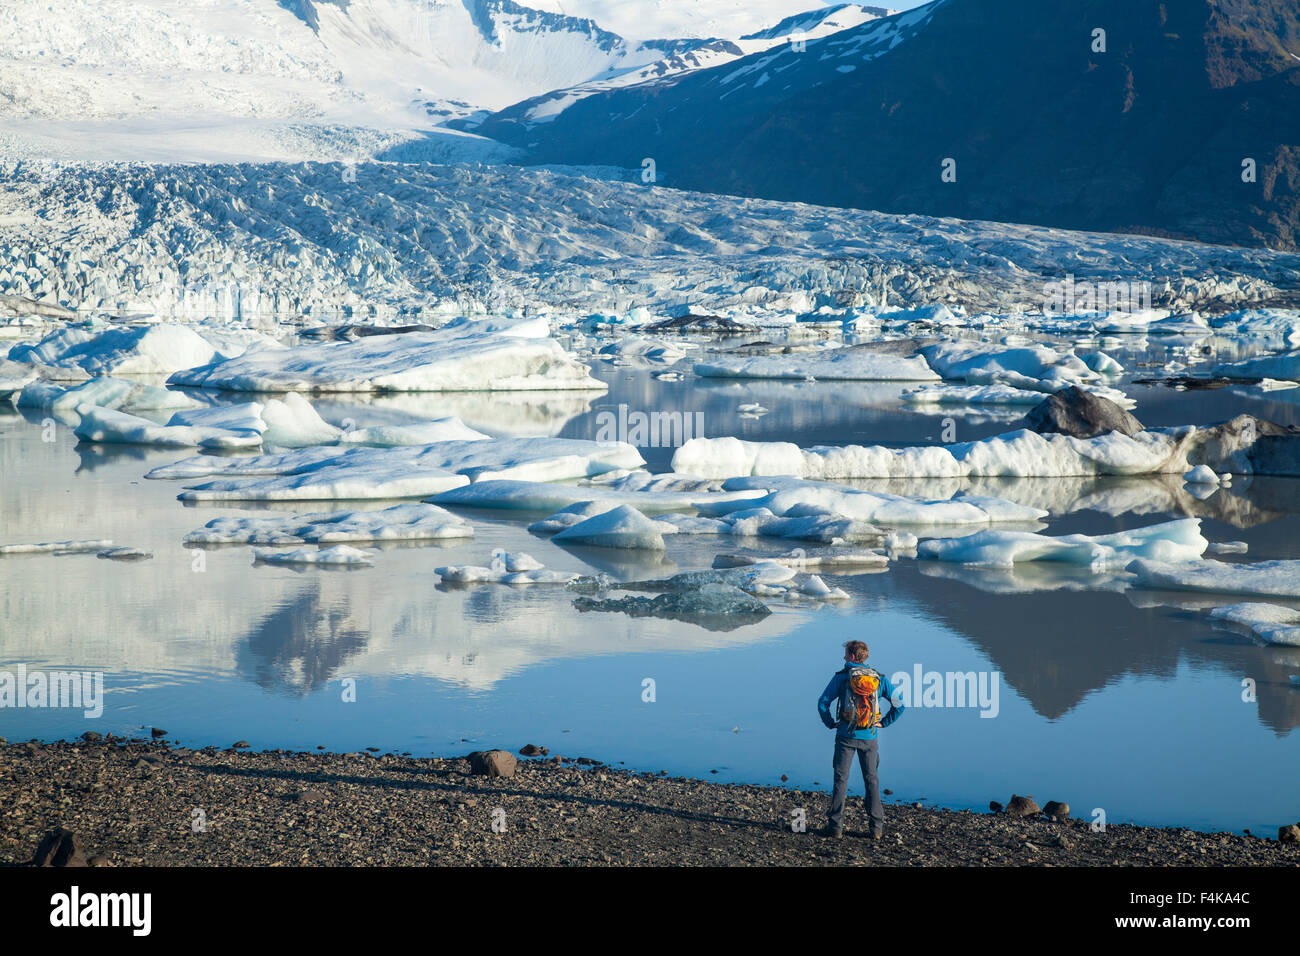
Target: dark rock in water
(158, 732)
(60, 847)
(1248, 445)
(1289, 833)
(492, 763)
(240, 745)
(1057, 810)
(716, 607)
(1023, 807)
(699, 323)
(1072, 411)
(89, 737)
(530, 750)
(995, 807)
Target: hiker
(858, 690)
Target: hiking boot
(830, 830)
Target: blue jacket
(832, 694)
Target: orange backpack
(860, 699)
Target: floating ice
(152, 350)
(340, 555)
(506, 568)
(423, 433)
(405, 472)
(800, 560)
(801, 499)
(1035, 367)
(971, 395)
(814, 587)
(104, 391)
(545, 496)
(464, 355)
(57, 547)
(124, 554)
(851, 363)
(1284, 366)
(1170, 541)
(620, 527)
(292, 422)
(408, 522)
(709, 601)
(114, 427)
(1017, 454)
(1276, 578)
(1201, 475)
(1271, 623)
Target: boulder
(1020, 806)
(60, 847)
(1289, 833)
(995, 807)
(1073, 411)
(1057, 810)
(492, 763)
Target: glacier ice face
(1171, 541)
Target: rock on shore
(141, 803)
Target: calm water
(1127, 700)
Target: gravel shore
(145, 803)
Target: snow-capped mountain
(792, 32)
(215, 80)
(1178, 119)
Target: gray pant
(869, 757)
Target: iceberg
(292, 422)
(104, 391)
(464, 355)
(1266, 578)
(620, 527)
(326, 472)
(57, 547)
(715, 606)
(507, 568)
(113, 427)
(422, 433)
(152, 350)
(407, 522)
(852, 363)
(1036, 368)
(338, 556)
(1271, 623)
(1170, 541)
(1016, 454)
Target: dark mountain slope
(1148, 136)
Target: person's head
(855, 652)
